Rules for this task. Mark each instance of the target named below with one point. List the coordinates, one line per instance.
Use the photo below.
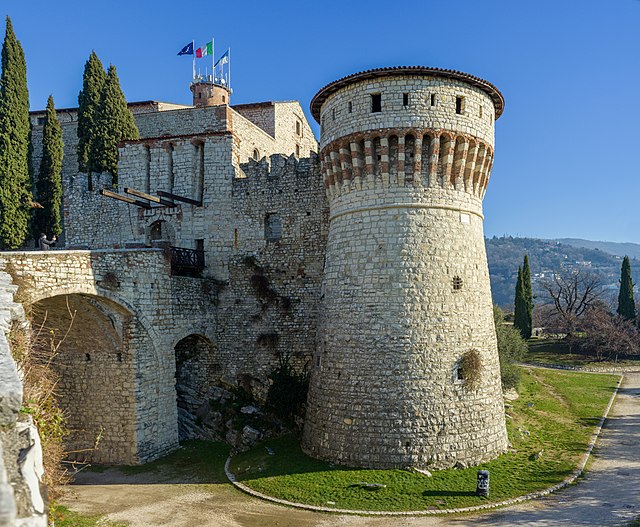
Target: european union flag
(187, 50)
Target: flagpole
(193, 54)
(229, 69)
(213, 60)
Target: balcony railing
(186, 262)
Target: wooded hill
(546, 257)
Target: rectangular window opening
(350, 107)
(433, 99)
(405, 99)
(272, 227)
(376, 102)
(459, 105)
(333, 114)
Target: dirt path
(607, 495)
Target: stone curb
(513, 501)
(585, 369)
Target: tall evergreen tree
(49, 182)
(114, 124)
(528, 291)
(88, 104)
(521, 318)
(15, 185)
(626, 303)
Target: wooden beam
(149, 197)
(119, 197)
(179, 198)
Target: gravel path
(607, 495)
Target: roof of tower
(405, 71)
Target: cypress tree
(626, 303)
(521, 319)
(15, 185)
(49, 182)
(114, 124)
(93, 81)
(528, 291)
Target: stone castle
(234, 239)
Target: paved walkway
(609, 494)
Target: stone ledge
(477, 508)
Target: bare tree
(607, 336)
(570, 295)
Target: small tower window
(333, 114)
(297, 150)
(433, 99)
(224, 99)
(272, 227)
(480, 112)
(376, 102)
(459, 105)
(405, 99)
(298, 128)
(457, 283)
(256, 154)
(350, 106)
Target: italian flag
(205, 50)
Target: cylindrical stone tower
(406, 372)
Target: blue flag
(187, 50)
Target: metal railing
(186, 262)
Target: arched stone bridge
(115, 318)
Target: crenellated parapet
(400, 157)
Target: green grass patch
(194, 462)
(63, 517)
(552, 351)
(556, 413)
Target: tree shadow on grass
(435, 493)
(196, 463)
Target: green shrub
(512, 349)
(287, 395)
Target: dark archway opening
(197, 376)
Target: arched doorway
(87, 341)
(197, 374)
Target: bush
(287, 396)
(512, 349)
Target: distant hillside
(632, 250)
(547, 257)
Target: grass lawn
(556, 413)
(552, 351)
(63, 517)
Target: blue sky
(566, 153)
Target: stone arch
(88, 340)
(110, 373)
(198, 371)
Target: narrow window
(459, 105)
(350, 105)
(376, 102)
(87, 357)
(170, 168)
(298, 128)
(200, 188)
(480, 113)
(457, 283)
(297, 150)
(272, 227)
(200, 245)
(405, 99)
(256, 154)
(333, 114)
(224, 99)
(199, 95)
(147, 168)
(235, 240)
(433, 99)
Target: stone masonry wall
(270, 306)
(21, 497)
